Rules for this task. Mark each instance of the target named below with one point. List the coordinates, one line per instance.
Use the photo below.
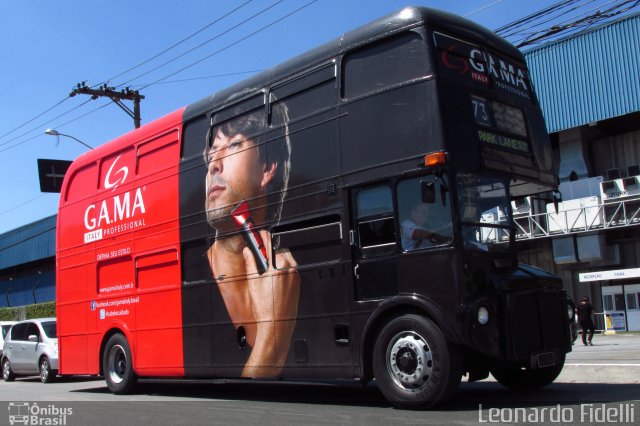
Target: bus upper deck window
(384, 64)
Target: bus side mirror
(428, 190)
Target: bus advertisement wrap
(321, 220)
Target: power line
(483, 8)
(205, 77)
(83, 115)
(562, 19)
(203, 43)
(122, 73)
(535, 15)
(34, 118)
(179, 42)
(557, 25)
(19, 143)
(550, 18)
(58, 126)
(232, 44)
(39, 126)
(22, 204)
(576, 25)
(116, 97)
(161, 80)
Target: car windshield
(485, 212)
(49, 328)
(5, 330)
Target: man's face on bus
(235, 173)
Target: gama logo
(122, 174)
(118, 213)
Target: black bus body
(375, 239)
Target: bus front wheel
(117, 365)
(413, 364)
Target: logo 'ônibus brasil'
(117, 208)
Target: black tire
(7, 372)
(47, 375)
(520, 379)
(117, 365)
(413, 364)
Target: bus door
(374, 242)
(427, 265)
(398, 230)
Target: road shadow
(329, 393)
(468, 397)
(61, 379)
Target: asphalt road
(597, 381)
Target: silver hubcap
(44, 370)
(117, 363)
(6, 369)
(409, 360)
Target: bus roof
(141, 134)
(407, 18)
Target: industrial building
(589, 89)
(27, 264)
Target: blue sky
(49, 46)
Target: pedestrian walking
(585, 311)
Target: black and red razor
(242, 217)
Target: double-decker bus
(343, 215)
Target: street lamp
(57, 134)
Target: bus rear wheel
(117, 365)
(413, 364)
(520, 379)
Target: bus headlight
(483, 315)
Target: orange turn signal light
(435, 159)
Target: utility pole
(117, 97)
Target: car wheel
(7, 373)
(413, 364)
(520, 379)
(46, 374)
(117, 365)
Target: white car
(31, 347)
(4, 329)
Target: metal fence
(585, 219)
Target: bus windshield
(485, 212)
